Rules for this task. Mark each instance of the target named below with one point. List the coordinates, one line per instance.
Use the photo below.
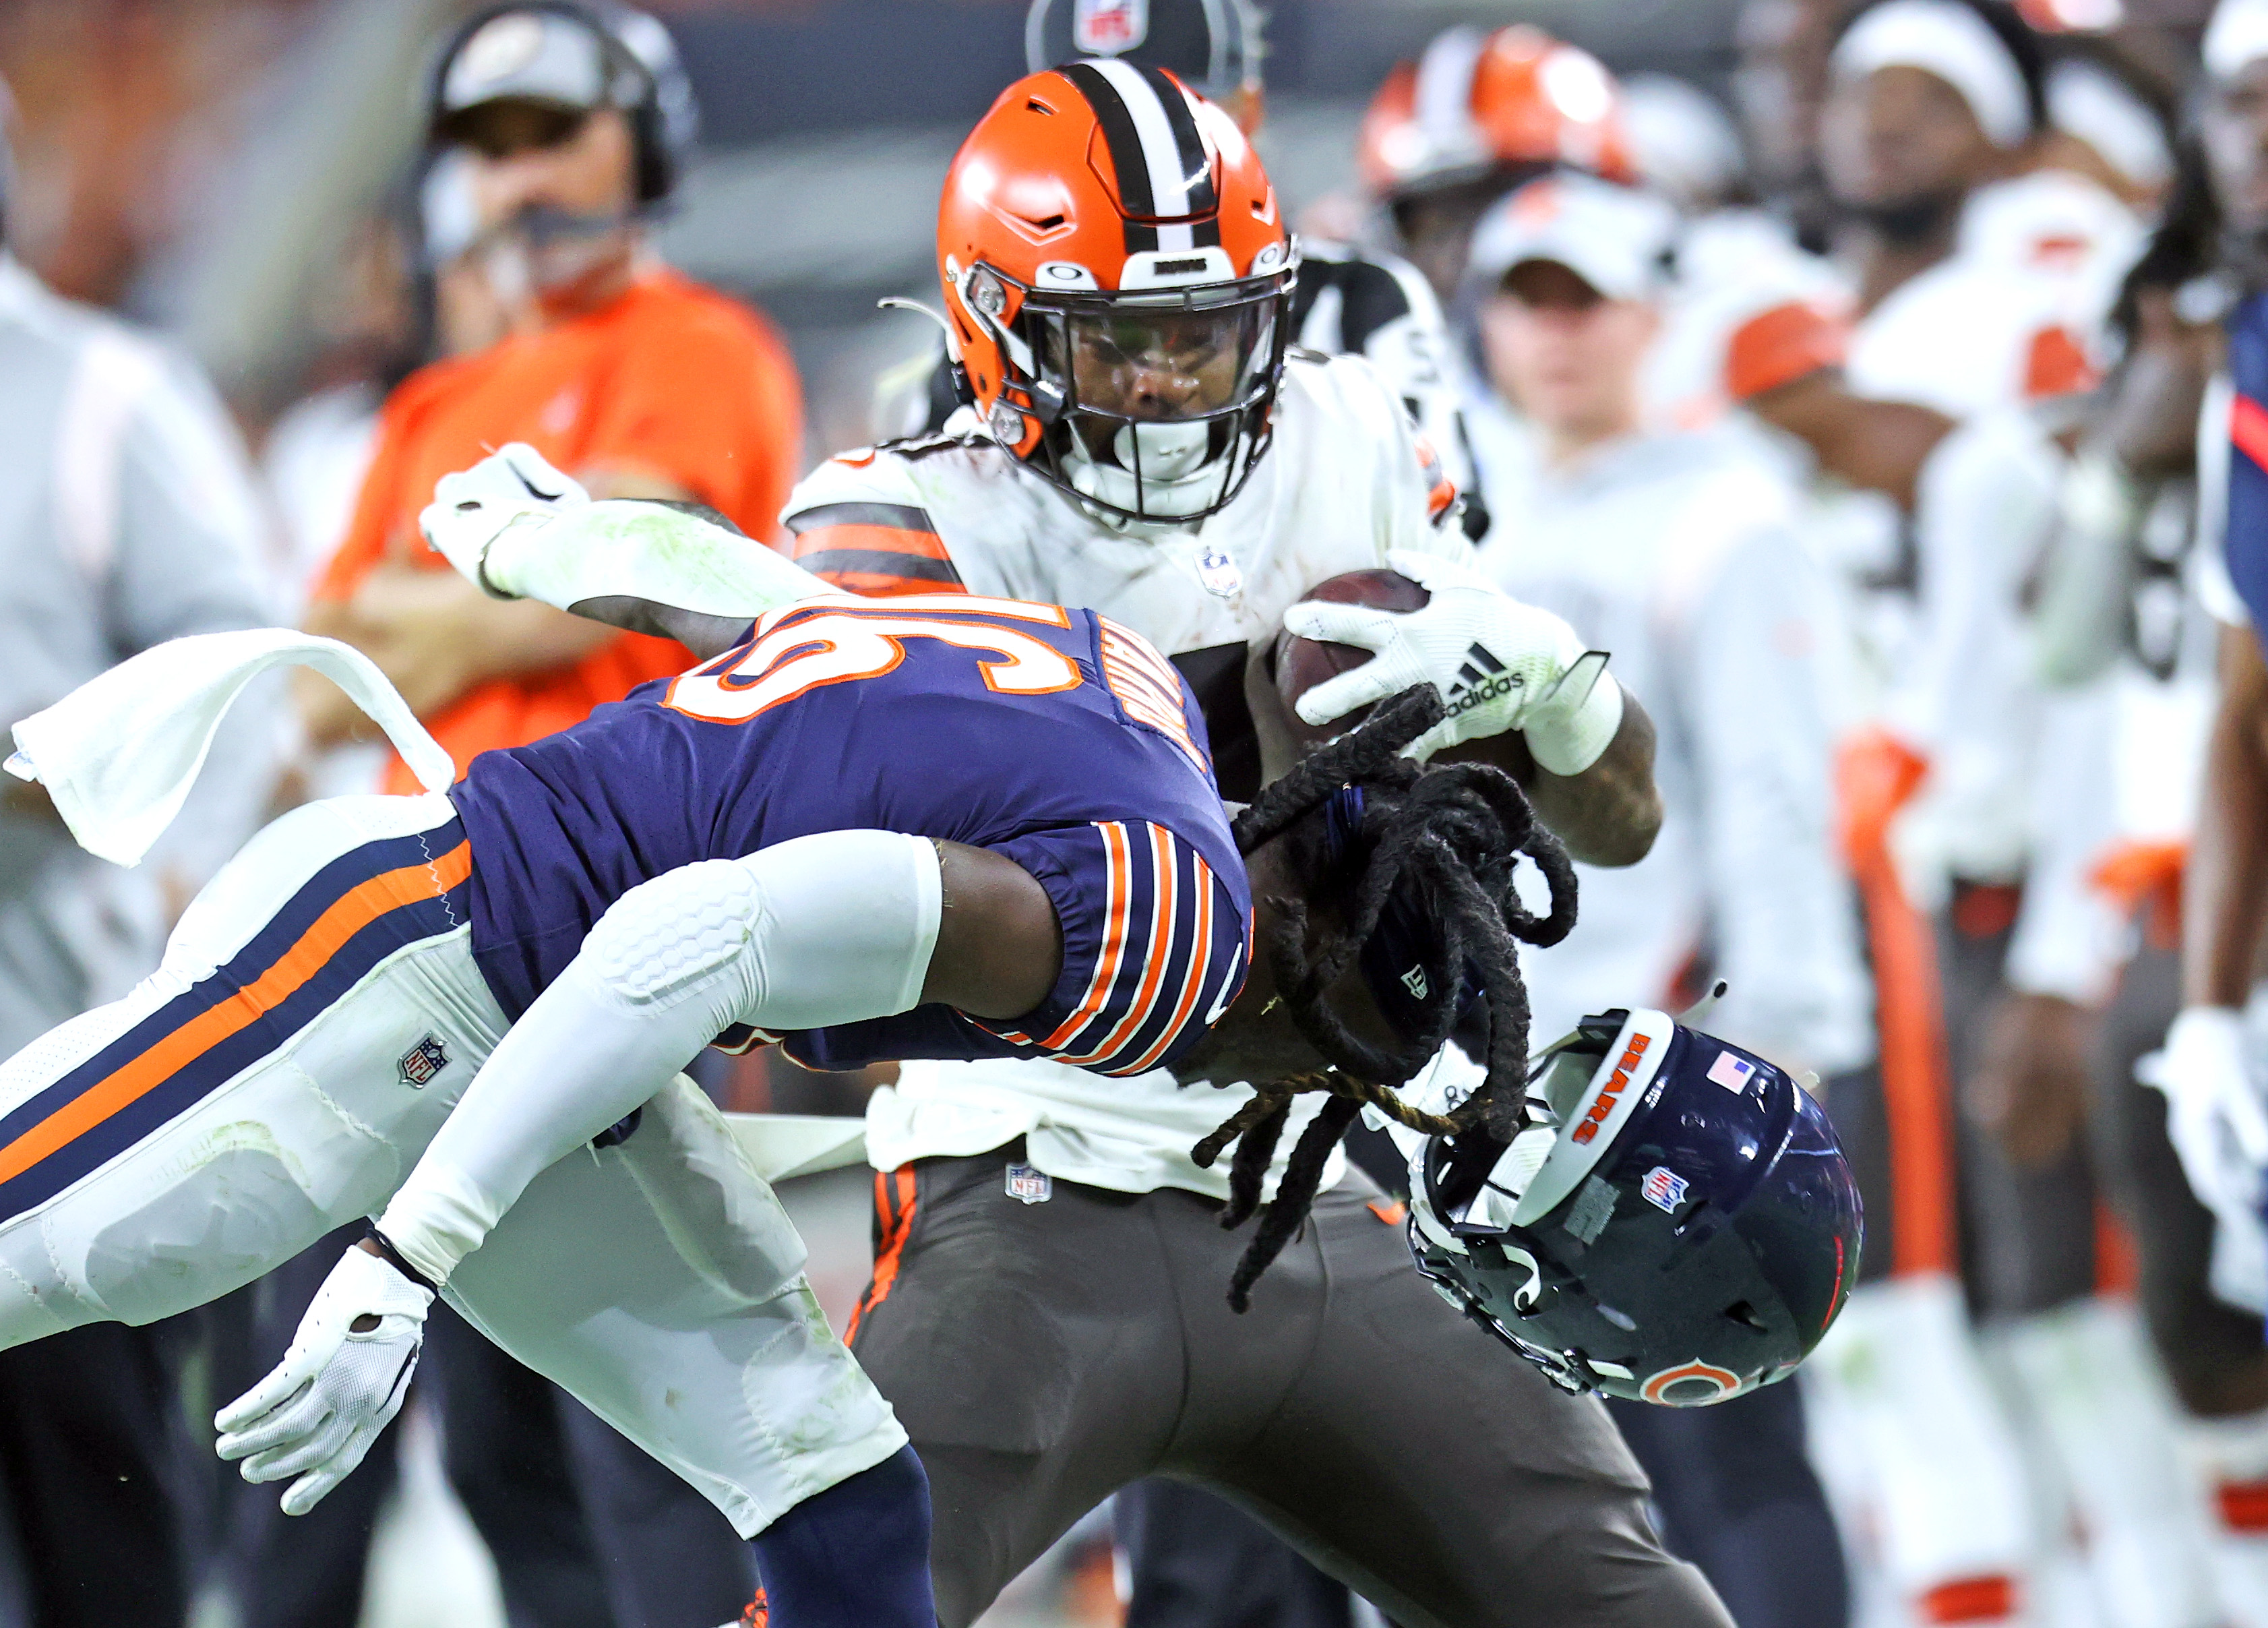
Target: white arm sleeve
(644, 550)
(822, 930)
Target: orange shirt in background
(672, 380)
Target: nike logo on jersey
(1481, 679)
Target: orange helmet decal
(1100, 185)
(1475, 103)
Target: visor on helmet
(1154, 404)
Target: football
(1303, 663)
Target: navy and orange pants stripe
(354, 913)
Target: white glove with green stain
(520, 529)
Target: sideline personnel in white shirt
(1680, 552)
(126, 517)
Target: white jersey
(127, 518)
(1342, 482)
(2020, 778)
(2013, 314)
(1681, 553)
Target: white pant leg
(317, 1131)
(662, 1284)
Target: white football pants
(317, 1015)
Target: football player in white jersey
(1348, 299)
(1115, 269)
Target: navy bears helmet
(1674, 1224)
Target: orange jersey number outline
(804, 648)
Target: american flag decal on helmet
(1165, 956)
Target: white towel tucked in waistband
(119, 753)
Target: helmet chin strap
(1179, 476)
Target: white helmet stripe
(1161, 156)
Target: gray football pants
(1041, 1355)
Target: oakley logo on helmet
(1611, 1092)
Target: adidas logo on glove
(1481, 679)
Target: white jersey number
(807, 649)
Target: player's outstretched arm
(825, 930)
(520, 529)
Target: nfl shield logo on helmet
(1027, 1185)
(418, 1065)
(1664, 1189)
(1105, 27)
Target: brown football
(1303, 663)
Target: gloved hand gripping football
(341, 1383)
(1498, 663)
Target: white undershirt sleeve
(833, 928)
(626, 547)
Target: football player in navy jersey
(948, 827)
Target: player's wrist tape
(393, 1257)
(1570, 729)
(624, 547)
(823, 930)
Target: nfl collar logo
(1664, 1190)
(1217, 572)
(1027, 1185)
(419, 1065)
(1105, 27)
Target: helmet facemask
(1152, 406)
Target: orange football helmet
(1116, 275)
(1475, 103)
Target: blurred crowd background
(252, 182)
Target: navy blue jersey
(1052, 736)
(2246, 542)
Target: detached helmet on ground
(1116, 274)
(1676, 1223)
(1476, 104)
(577, 58)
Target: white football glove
(1499, 665)
(520, 529)
(2214, 1115)
(316, 1414)
(472, 508)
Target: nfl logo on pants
(1027, 1185)
(418, 1065)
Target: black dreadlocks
(1451, 835)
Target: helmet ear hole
(1744, 1314)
